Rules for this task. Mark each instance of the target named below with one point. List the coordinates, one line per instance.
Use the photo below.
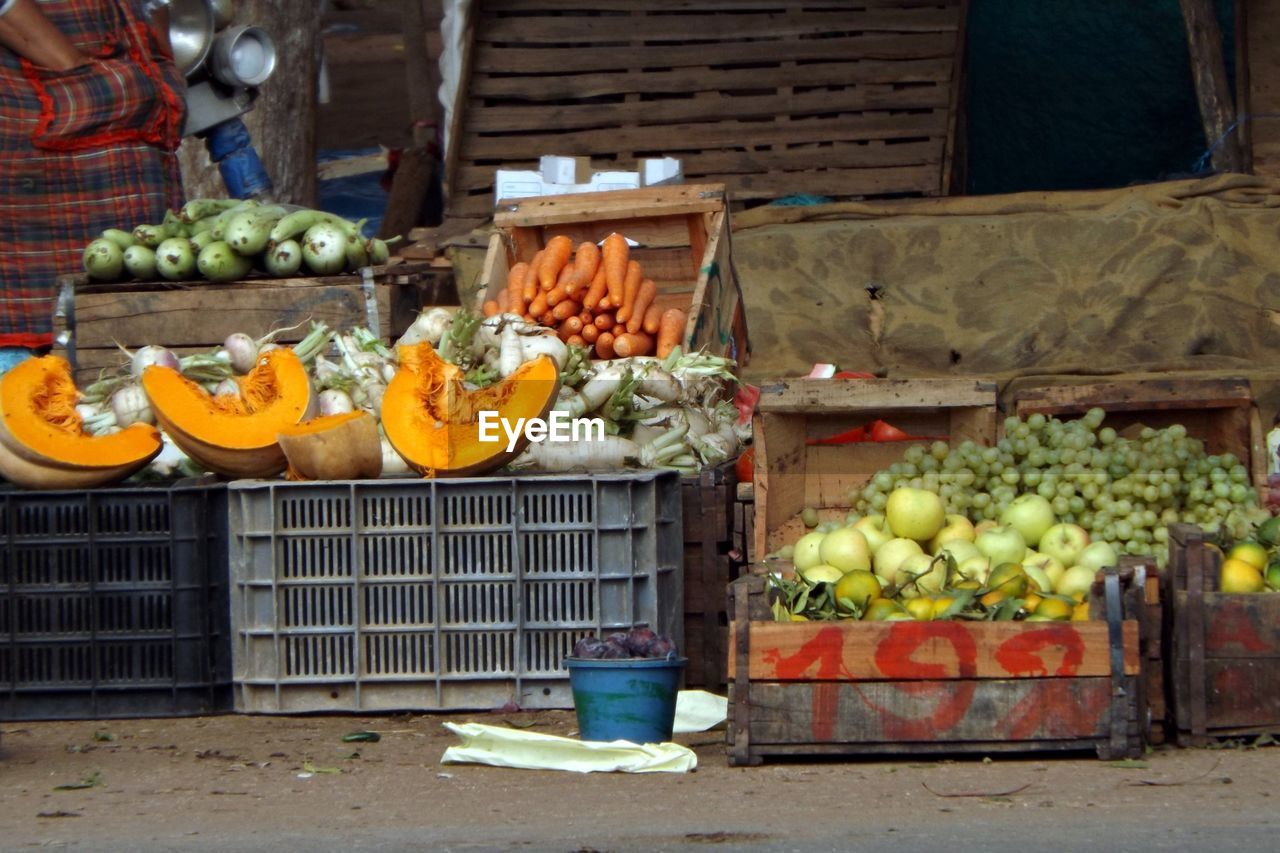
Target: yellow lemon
(859, 586)
(1239, 576)
(991, 599)
(920, 608)
(882, 609)
(1010, 578)
(1080, 613)
(1249, 552)
(1031, 602)
(1056, 608)
(799, 617)
(940, 605)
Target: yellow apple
(956, 527)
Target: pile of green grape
(1122, 490)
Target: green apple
(1096, 555)
(1038, 576)
(973, 569)
(875, 529)
(1051, 566)
(930, 575)
(1064, 541)
(1075, 582)
(808, 551)
(957, 527)
(960, 550)
(1031, 514)
(889, 556)
(1002, 544)
(846, 549)
(914, 513)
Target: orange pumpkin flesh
(233, 436)
(333, 447)
(433, 421)
(43, 444)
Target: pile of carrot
(593, 296)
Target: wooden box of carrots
(624, 273)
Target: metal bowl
(190, 33)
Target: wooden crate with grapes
(805, 458)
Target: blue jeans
(10, 356)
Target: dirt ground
(242, 783)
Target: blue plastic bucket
(628, 699)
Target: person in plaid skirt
(93, 108)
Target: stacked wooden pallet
(849, 99)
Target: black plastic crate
(114, 603)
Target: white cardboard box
(552, 171)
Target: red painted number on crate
(1020, 655)
(826, 649)
(940, 709)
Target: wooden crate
(1221, 412)
(93, 318)
(1223, 660)
(791, 473)
(772, 99)
(869, 688)
(683, 234)
(707, 501)
(1153, 650)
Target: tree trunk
(282, 121)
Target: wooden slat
(871, 651)
(709, 135)
(721, 26)
(1242, 693)
(207, 313)
(669, 6)
(684, 80)
(963, 711)
(695, 80)
(521, 118)
(816, 396)
(1149, 393)
(610, 207)
(491, 59)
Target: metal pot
(191, 27)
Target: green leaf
(361, 737)
(1129, 764)
(962, 600)
(308, 767)
(90, 780)
(103, 736)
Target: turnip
(242, 352)
(143, 357)
(334, 401)
(393, 464)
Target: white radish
(393, 464)
(533, 346)
(510, 351)
(130, 405)
(334, 401)
(429, 326)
